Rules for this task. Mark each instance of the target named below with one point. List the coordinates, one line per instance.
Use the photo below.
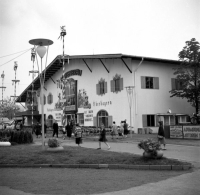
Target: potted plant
(151, 148)
(54, 145)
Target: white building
(94, 91)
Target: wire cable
(13, 53)
(15, 57)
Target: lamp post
(41, 51)
(129, 91)
(14, 82)
(3, 89)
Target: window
(50, 98)
(101, 87)
(148, 120)
(44, 99)
(116, 83)
(50, 120)
(149, 82)
(176, 84)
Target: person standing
(114, 130)
(38, 130)
(78, 135)
(121, 129)
(68, 129)
(125, 129)
(161, 134)
(103, 136)
(55, 128)
(45, 130)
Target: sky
(149, 28)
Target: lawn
(33, 154)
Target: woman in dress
(103, 137)
(161, 134)
(68, 129)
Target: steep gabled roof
(56, 64)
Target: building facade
(91, 89)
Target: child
(78, 135)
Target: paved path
(186, 184)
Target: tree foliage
(8, 107)
(188, 74)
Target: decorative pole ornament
(41, 51)
(14, 82)
(62, 36)
(129, 91)
(3, 89)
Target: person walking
(161, 134)
(114, 131)
(68, 129)
(125, 129)
(55, 128)
(103, 136)
(78, 135)
(121, 129)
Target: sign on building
(176, 132)
(88, 117)
(191, 132)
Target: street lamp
(129, 91)
(41, 51)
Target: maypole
(3, 89)
(62, 36)
(14, 82)
(33, 72)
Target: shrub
(53, 143)
(20, 137)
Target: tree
(8, 108)
(188, 74)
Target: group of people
(71, 127)
(122, 130)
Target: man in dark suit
(55, 128)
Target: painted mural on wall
(67, 93)
(31, 100)
(83, 99)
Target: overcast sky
(151, 28)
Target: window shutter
(178, 86)
(98, 89)
(51, 98)
(105, 87)
(112, 85)
(143, 83)
(144, 120)
(110, 121)
(155, 82)
(173, 82)
(95, 121)
(121, 84)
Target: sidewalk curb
(102, 166)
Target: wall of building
(145, 101)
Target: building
(94, 91)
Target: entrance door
(102, 118)
(70, 117)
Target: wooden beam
(126, 65)
(87, 65)
(104, 65)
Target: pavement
(185, 184)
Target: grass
(32, 154)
